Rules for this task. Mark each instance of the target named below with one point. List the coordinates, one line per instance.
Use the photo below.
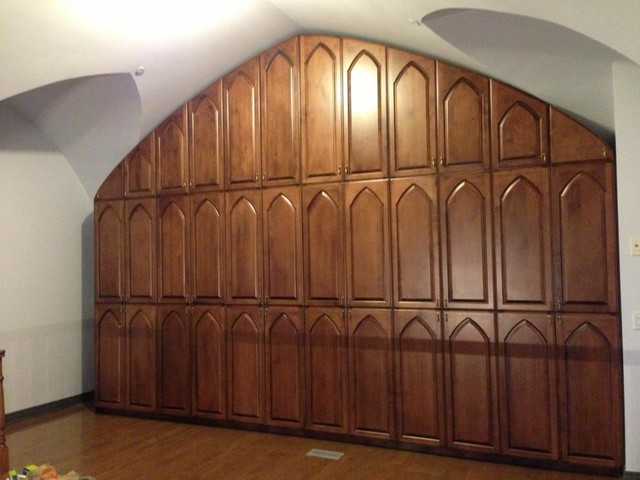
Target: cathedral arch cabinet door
(141, 357)
(585, 245)
(471, 381)
(172, 153)
(109, 228)
(174, 332)
(284, 354)
(140, 169)
(140, 246)
(109, 330)
(528, 385)
(173, 249)
(589, 369)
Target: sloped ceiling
(560, 51)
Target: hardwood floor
(118, 448)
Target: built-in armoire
(356, 242)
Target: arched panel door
(109, 356)
(140, 244)
(174, 356)
(173, 249)
(140, 169)
(171, 153)
(110, 255)
(141, 357)
(571, 141)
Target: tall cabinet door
(471, 381)
(244, 238)
(206, 159)
(280, 90)
(140, 169)
(367, 239)
(365, 109)
(323, 244)
(412, 113)
(585, 237)
(326, 369)
(110, 251)
(173, 249)
(523, 239)
(590, 389)
(463, 119)
(174, 341)
(528, 385)
(171, 153)
(140, 244)
(420, 410)
(141, 358)
(321, 108)
(109, 330)
(465, 225)
(282, 245)
(415, 247)
(241, 91)
(284, 354)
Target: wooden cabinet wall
(346, 238)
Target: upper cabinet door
(140, 244)
(463, 119)
(173, 249)
(573, 142)
(206, 145)
(280, 90)
(113, 186)
(365, 109)
(140, 169)
(465, 225)
(415, 244)
(171, 153)
(585, 246)
(523, 239)
(519, 128)
(321, 108)
(367, 238)
(241, 95)
(412, 113)
(110, 251)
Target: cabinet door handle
(339, 169)
(264, 177)
(346, 169)
(438, 317)
(544, 157)
(441, 161)
(433, 161)
(257, 177)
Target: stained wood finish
(463, 119)
(471, 381)
(415, 242)
(245, 364)
(573, 142)
(465, 226)
(411, 92)
(173, 249)
(519, 128)
(141, 357)
(280, 90)
(324, 265)
(207, 247)
(367, 239)
(109, 234)
(109, 341)
(284, 366)
(521, 212)
(140, 244)
(140, 169)
(590, 388)
(209, 361)
(244, 238)
(4, 450)
(172, 153)
(528, 390)
(585, 237)
(174, 332)
(321, 108)
(282, 245)
(241, 93)
(326, 369)
(206, 152)
(365, 109)
(419, 378)
(113, 186)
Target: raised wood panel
(326, 369)
(573, 142)
(109, 234)
(367, 239)
(419, 377)
(323, 245)
(245, 375)
(209, 362)
(172, 153)
(284, 354)
(415, 242)
(280, 89)
(109, 356)
(590, 389)
(465, 223)
(113, 186)
(173, 249)
(141, 357)
(585, 237)
(523, 239)
(206, 153)
(174, 331)
(140, 169)
(282, 244)
(528, 390)
(241, 93)
(471, 381)
(411, 95)
(519, 128)
(140, 244)
(207, 247)
(321, 108)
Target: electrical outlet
(636, 321)
(635, 246)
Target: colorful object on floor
(43, 472)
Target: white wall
(46, 279)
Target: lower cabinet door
(174, 326)
(141, 357)
(109, 356)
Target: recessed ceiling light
(140, 70)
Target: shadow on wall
(87, 304)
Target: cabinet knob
(441, 161)
(257, 177)
(339, 169)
